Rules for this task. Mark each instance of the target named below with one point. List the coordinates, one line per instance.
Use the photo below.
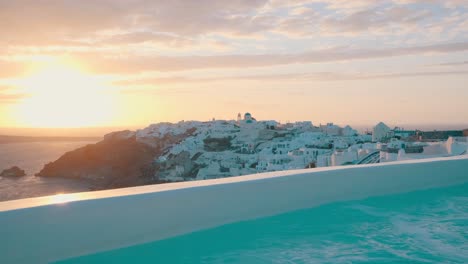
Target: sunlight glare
(61, 95)
(64, 198)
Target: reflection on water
(31, 157)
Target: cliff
(113, 162)
(121, 159)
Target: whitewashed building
(381, 131)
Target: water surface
(32, 157)
(420, 227)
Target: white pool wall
(35, 231)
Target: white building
(349, 132)
(381, 131)
(340, 144)
(323, 160)
(269, 124)
(248, 119)
(342, 157)
(303, 126)
(457, 146)
(331, 129)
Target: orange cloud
(9, 97)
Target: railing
(373, 157)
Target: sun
(61, 95)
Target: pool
(419, 227)
(411, 211)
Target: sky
(116, 63)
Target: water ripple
(420, 227)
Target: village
(221, 148)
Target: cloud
(375, 19)
(98, 62)
(134, 64)
(445, 3)
(10, 98)
(360, 4)
(148, 37)
(363, 18)
(177, 23)
(131, 36)
(456, 63)
(7, 97)
(49, 22)
(10, 68)
(302, 77)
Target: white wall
(340, 158)
(34, 231)
(455, 147)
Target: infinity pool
(420, 227)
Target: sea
(31, 157)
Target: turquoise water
(420, 227)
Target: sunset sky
(133, 62)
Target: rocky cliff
(114, 162)
(120, 160)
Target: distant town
(246, 146)
(197, 150)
